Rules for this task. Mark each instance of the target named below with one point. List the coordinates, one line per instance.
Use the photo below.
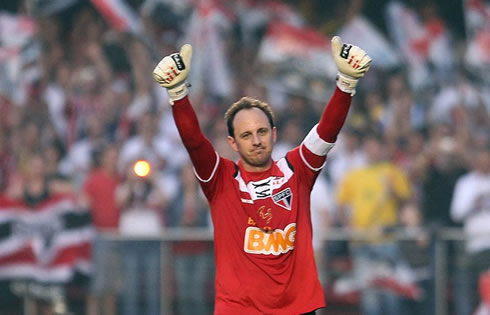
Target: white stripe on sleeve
(316, 144)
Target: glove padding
(172, 71)
(352, 63)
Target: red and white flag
(45, 244)
(296, 60)
(362, 33)
(420, 43)
(210, 67)
(119, 15)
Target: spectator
(416, 253)
(192, 258)
(471, 205)
(444, 168)
(99, 191)
(78, 161)
(145, 144)
(143, 202)
(30, 185)
(346, 156)
(370, 198)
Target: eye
(263, 131)
(245, 135)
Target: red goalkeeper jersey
(259, 271)
(262, 222)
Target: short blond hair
(247, 103)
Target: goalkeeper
(260, 208)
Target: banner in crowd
(119, 15)
(210, 66)
(421, 43)
(19, 55)
(297, 60)
(45, 244)
(477, 20)
(400, 280)
(359, 31)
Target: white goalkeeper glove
(172, 71)
(352, 63)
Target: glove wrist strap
(178, 92)
(346, 83)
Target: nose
(256, 140)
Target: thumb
(186, 54)
(336, 45)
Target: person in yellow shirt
(373, 193)
(369, 198)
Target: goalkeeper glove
(171, 73)
(352, 63)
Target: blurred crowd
(86, 109)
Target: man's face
(373, 150)
(253, 139)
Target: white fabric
(178, 92)
(471, 204)
(346, 84)
(321, 204)
(135, 148)
(140, 222)
(483, 309)
(316, 144)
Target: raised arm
(171, 73)
(352, 63)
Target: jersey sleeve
(305, 173)
(209, 168)
(320, 140)
(203, 156)
(214, 184)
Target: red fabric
(484, 287)
(67, 255)
(200, 150)
(262, 272)
(191, 247)
(314, 160)
(100, 188)
(334, 115)
(24, 255)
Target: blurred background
(401, 212)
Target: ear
(232, 143)
(274, 135)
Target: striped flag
(119, 15)
(420, 42)
(210, 67)
(360, 32)
(47, 244)
(296, 60)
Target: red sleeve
(328, 128)
(334, 115)
(201, 151)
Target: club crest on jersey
(283, 198)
